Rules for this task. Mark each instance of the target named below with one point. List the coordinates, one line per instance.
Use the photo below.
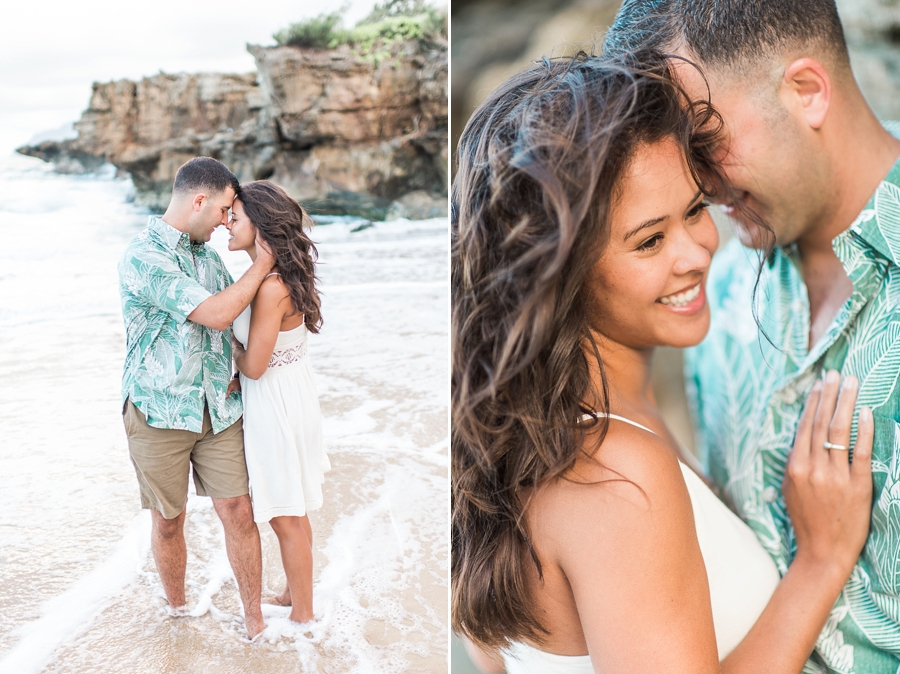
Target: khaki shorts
(162, 459)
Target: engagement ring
(831, 445)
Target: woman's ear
(806, 91)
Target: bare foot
(177, 611)
(255, 625)
(278, 600)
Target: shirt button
(770, 494)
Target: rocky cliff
(342, 133)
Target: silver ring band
(831, 445)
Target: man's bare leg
(170, 553)
(245, 555)
(284, 599)
(296, 556)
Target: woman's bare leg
(284, 599)
(295, 540)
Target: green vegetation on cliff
(389, 22)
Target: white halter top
(741, 574)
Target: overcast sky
(52, 50)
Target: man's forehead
(224, 198)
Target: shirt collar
(878, 225)
(169, 236)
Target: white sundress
(741, 574)
(283, 442)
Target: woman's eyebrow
(656, 221)
(644, 225)
(696, 198)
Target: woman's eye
(651, 243)
(698, 209)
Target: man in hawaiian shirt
(805, 152)
(178, 302)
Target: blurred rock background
(493, 39)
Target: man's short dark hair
(205, 173)
(642, 24)
(729, 32)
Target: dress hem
(286, 511)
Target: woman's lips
(686, 302)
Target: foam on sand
(72, 612)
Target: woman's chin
(689, 335)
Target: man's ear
(197, 201)
(806, 91)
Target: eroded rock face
(343, 134)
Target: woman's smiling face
(243, 232)
(649, 282)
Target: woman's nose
(693, 256)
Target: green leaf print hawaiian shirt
(747, 396)
(173, 366)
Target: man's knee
(237, 511)
(168, 529)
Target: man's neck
(175, 217)
(868, 152)
(179, 225)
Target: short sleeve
(155, 279)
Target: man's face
(213, 211)
(764, 156)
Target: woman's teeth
(681, 299)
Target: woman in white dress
(581, 541)
(283, 443)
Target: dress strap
(585, 417)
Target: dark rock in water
(418, 205)
(343, 134)
(366, 225)
(64, 158)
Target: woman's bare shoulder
(273, 285)
(629, 460)
(272, 291)
(631, 481)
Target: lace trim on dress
(289, 356)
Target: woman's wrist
(833, 569)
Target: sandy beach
(78, 588)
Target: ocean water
(78, 587)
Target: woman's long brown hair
(539, 163)
(283, 223)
